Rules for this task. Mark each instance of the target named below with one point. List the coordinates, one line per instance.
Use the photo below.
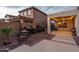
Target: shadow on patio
(36, 38)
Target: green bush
(6, 32)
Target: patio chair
(22, 36)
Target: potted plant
(6, 34)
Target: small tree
(6, 33)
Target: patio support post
(19, 30)
(48, 25)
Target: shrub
(6, 33)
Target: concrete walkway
(62, 42)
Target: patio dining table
(23, 35)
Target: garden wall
(13, 25)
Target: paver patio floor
(62, 42)
(63, 37)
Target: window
(62, 23)
(29, 12)
(25, 13)
(22, 13)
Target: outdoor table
(23, 36)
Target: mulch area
(36, 38)
(30, 40)
(5, 48)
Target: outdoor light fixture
(59, 23)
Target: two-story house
(29, 17)
(8, 17)
(39, 17)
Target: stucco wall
(13, 25)
(40, 18)
(67, 13)
(3, 24)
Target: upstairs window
(29, 12)
(25, 13)
(22, 13)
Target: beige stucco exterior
(67, 13)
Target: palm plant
(6, 33)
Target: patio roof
(66, 17)
(18, 18)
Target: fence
(13, 25)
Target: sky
(13, 10)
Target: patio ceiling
(63, 17)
